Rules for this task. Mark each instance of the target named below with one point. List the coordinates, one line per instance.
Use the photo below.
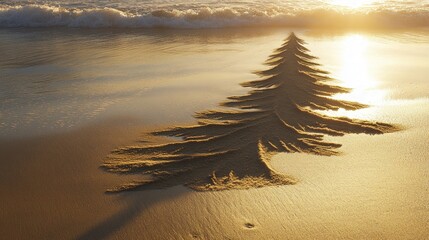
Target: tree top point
(293, 38)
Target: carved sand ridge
(230, 148)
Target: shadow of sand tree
(231, 148)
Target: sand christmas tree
(231, 148)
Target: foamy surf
(206, 17)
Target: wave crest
(206, 17)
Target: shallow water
(62, 79)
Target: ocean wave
(207, 17)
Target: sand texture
(230, 147)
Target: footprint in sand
(249, 225)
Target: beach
(70, 97)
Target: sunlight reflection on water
(354, 71)
(58, 80)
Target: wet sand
(376, 190)
(52, 187)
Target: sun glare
(355, 71)
(351, 3)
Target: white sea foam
(207, 17)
